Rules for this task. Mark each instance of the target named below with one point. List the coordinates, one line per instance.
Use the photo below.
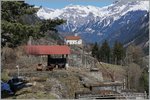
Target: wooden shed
(49, 50)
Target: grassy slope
(116, 70)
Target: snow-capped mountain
(77, 11)
(119, 21)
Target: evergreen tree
(13, 10)
(118, 52)
(15, 31)
(144, 81)
(95, 50)
(104, 52)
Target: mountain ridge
(137, 5)
(118, 21)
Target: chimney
(30, 40)
(75, 34)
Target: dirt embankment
(59, 83)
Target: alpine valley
(127, 22)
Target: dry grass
(50, 85)
(116, 70)
(72, 84)
(36, 95)
(4, 75)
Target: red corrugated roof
(47, 50)
(72, 37)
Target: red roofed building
(73, 40)
(62, 50)
(47, 50)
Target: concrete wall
(113, 88)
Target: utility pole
(85, 61)
(82, 55)
(18, 69)
(124, 84)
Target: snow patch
(90, 30)
(100, 34)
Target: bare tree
(132, 67)
(134, 75)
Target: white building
(73, 40)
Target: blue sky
(62, 3)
